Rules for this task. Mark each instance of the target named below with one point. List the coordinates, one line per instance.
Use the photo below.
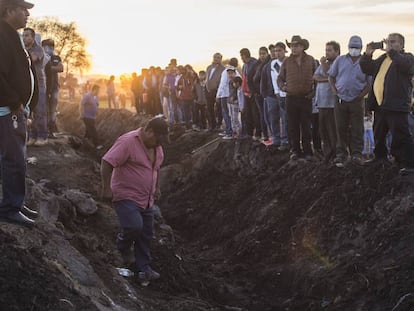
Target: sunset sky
(127, 35)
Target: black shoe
(19, 219)
(149, 275)
(376, 160)
(357, 159)
(29, 212)
(407, 171)
(294, 156)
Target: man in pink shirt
(129, 172)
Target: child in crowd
(200, 102)
(233, 103)
(369, 144)
(88, 111)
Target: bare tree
(70, 45)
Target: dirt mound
(239, 228)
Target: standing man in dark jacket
(17, 89)
(214, 71)
(264, 58)
(390, 98)
(250, 110)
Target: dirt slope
(241, 229)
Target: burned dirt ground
(239, 228)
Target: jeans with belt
(13, 161)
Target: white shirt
(274, 75)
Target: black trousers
(214, 115)
(299, 113)
(91, 132)
(316, 138)
(402, 145)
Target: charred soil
(239, 227)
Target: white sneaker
(228, 137)
(31, 142)
(40, 142)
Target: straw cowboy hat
(297, 39)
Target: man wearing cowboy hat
(296, 79)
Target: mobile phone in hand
(377, 45)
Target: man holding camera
(390, 99)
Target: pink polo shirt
(133, 177)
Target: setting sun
(129, 35)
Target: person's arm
(404, 61)
(323, 68)
(106, 173)
(332, 73)
(367, 87)
(157, 194)
(332, 82)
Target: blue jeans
(368, 142)
(39, 126)
(226, 115)
(171, 110)
(275, 112)
(13, 163)
(52, 111)
(136, 230)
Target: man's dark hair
(48, 42)
(263, 49)
(31, 30)
(95, 87)
(233, 62)
(237, 79)
(245, 52)
(335, 45)
(281, 45)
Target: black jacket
(397, 84)
(15, 81)
(258, 74)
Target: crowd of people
(312, 107)
(293, 102)
(47, 66)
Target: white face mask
(354, 52)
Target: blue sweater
(89, 106)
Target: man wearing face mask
(53, 67)
(350, 85)
(390, 99)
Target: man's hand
(18, 110)
(157, 194)
(369, 50)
